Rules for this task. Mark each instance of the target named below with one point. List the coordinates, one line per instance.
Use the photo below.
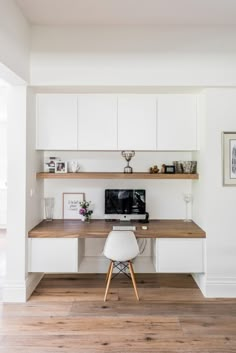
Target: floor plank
(152, 308)
(66, 313)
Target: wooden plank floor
(67, 314)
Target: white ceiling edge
(129, 12)
(117, 89)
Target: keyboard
(123, 227)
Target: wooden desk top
(61, 228)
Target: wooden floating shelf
(112, 175)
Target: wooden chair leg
(133, 279)
(108, 271)
(108, 280)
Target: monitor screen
(125, 202)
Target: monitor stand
(125, 218)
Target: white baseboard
(216, 286)
(200, 279)
(221, 287)
(14, 292)
(32, 281)
(20, 291)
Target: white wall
(215, 203)
(164, 197)
(133, 55)
(35, 160)
(25, 194)
(16, 212)
(14, 68)
(140, 56)
(14, 39)
(3, 156)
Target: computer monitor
(125, 204)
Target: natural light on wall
(3, 154)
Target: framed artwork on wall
(229, 158)
(71, 206)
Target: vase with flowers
(85, 210)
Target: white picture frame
(229, 158)
(71, 205)
(60, 167)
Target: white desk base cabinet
(64, 255)
(178, 255)
(55, 255)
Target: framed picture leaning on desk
(71, 205)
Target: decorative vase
(86, 218)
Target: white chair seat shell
(121, 246)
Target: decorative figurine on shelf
(74, 166)
(163, 168)
(154, 169)
(84, 211)
(128, 155)
(50, 164)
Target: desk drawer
(55, 255)
(179, 255)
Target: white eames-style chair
(121, 248)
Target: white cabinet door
(97, 122)
(55, 255)
(56, 122)
(137, 122)
(179, 255)
(177, 122)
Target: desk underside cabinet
(169, 255)
(55, 255)
(178, 255)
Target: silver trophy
(128, 155)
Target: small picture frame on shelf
(169, 169)
(229, 158)
(71, 204)
(60, 167)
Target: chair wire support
(122, 267)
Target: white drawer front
(179, 255)
(53, 255)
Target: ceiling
(129, 12)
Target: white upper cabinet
(56, 122)
(137, 122)
(144, 122)
(177, 122)
(97, 122)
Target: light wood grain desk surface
(61, 228)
